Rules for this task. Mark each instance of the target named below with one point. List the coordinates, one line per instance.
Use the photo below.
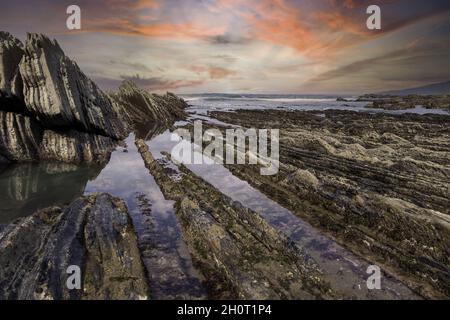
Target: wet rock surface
(239, 255)
(378, 183)
(94, 233)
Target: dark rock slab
(75, 147)
(20, 137)
(50, 110)
(23, 139)
(94, 233)
(11, 52)
(60, 94)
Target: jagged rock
(49, 109)
(11, 52)
(141, 106)
(20, 137)
(60, 95)
(54, 112)
(75, 147)
(94, 233)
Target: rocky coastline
(390, 102)
(53, 115)
(94, 233)
(377, 183)
(50, 110)
(375, 186)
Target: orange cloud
(214, 72)
(336, 21)
(282, 22)
(146, 4)
(316, 32)
(157, 30)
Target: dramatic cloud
(238, 45)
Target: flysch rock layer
(239, 254)
(11, 52)
(58, 93)
(20, 137)
(378, 183)
(94, 233)
(50, 110)
(141, 106)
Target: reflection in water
(27, 187)
(343, 269)
(163, 250)
(147, 130)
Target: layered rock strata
(44, 97)
(11, 52)
(50, 110)
(141, 106)
(238, 253)
(94, 233)
(379, 183)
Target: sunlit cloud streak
(236, 45)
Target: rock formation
(59, 95)
(50, 110)
(235, 249)
(94, 233)
(377, 182)
(406, 102)
(11, 52)
(141, 106)
(20, 137)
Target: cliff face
(50, 110)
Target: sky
(247, 46)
